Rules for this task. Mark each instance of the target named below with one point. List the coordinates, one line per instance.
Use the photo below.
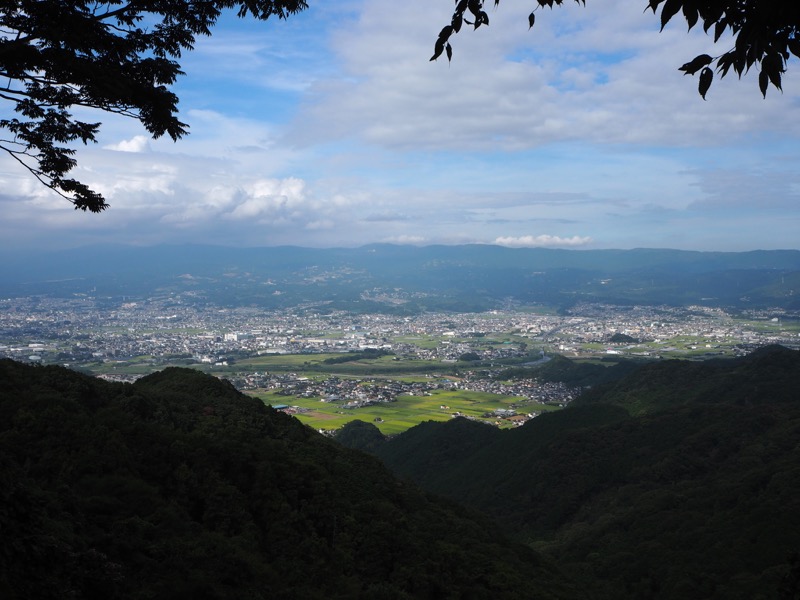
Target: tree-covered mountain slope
(770, 375)
(573, 373)
(682, 480)
(178, 486)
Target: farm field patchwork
(407, 411)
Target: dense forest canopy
(679, 480)
(178, 486)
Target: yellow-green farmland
(406, 411)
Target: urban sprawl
(109, 338)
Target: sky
(332, 128)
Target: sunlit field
(407, 411)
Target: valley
(332, 367)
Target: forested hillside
(682, 480)
(178, 486)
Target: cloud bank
(548, 241)
(334, 129)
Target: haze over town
(333, 129)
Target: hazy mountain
(472, 277)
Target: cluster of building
(174, 328)
(356, 393)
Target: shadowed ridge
(696, 495)
(768, 375)
(180, 487)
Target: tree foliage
(765, 33)
(681, 480)
(118, 57)
(178, 486)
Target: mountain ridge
(474, 277)
(679, 480)
(178, 486)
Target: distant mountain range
(409, 279)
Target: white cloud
(413, 240)
(335, 129)
(530, 241)
(601, 73)
(139, 143)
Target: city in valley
(331, 367)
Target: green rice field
(406, 412)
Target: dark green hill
(178, 486)
(360, 435)
(485, 467)
(621, 338)
(769, 375)
(680, 481)
(573, 373)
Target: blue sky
(333, 129)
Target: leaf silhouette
(670, 9)
(697, 63)
(794, 46)
(773, 65)
(531, 20)
(438, 49)
(719, 29)
(763, 82)
(775, 78)
(690, 12)
(449, 50)
(446, 32)
(706, 76)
